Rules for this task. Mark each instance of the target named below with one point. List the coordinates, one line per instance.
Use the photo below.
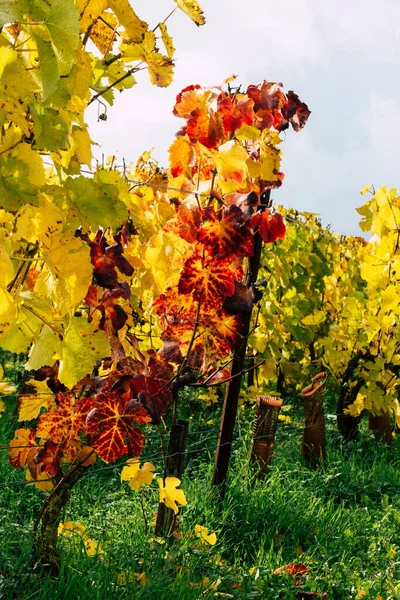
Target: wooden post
(174, 464)
(314, 443)
(380, 426)
(264, 430)
(228, 418)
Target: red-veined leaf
(227, 237)
(110, 427)
(209, 280)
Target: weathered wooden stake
(264, 430)
(314, 443)
(380, 426)
(174, 464)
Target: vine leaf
(170, 495)
(193, 10)
(62, 424)
(271, 228)
(137, 475)
(227, 237)
(135, 28)
(209, 280)
(81, 347)
(110, 427)
(31, 404)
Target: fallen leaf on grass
(293, 569)
(202, 533)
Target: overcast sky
(342, 58)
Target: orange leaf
(203, 124)
(186, 223)
(20, 447)
(235, 114)
(182, 154)
(62, 424)
(227, 237)
(209, 280)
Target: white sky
(342, 58)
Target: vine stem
(109, 87)
(229, 411)
(240, 374)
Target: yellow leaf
(89, 11)
(33, 160)
(160, 69)
(93, 547)
(38, 223)
(202, 533)
(43, 480)
(193, 10)
(167, 40)
(68, 271)
(103, 32)
(366, 189)
(7, 268)
(81, 347)
(270, 162)
(83, 147)
(67, 528)
(134, 27)
(169, 495)
(31, 404)
(20, 447)
(230, 161)
(2, 407)
(137, 475)
(315, 318)
(7, 311)
(390, 299)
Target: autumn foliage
(121, 294)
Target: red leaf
(293, 569)
(46, 460)
(295, 111)
(235, 114)
(111, 429)
(268, 101)
(270, 228)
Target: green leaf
(12, 11)
(97, 203)
(63, 26)
(48, 72)
(51, 132)
(82, 346)
(15, 188)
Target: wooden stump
(166, 521)
(313, 446)
(264, 430)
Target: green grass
(343, 523)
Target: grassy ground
(343, 524)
